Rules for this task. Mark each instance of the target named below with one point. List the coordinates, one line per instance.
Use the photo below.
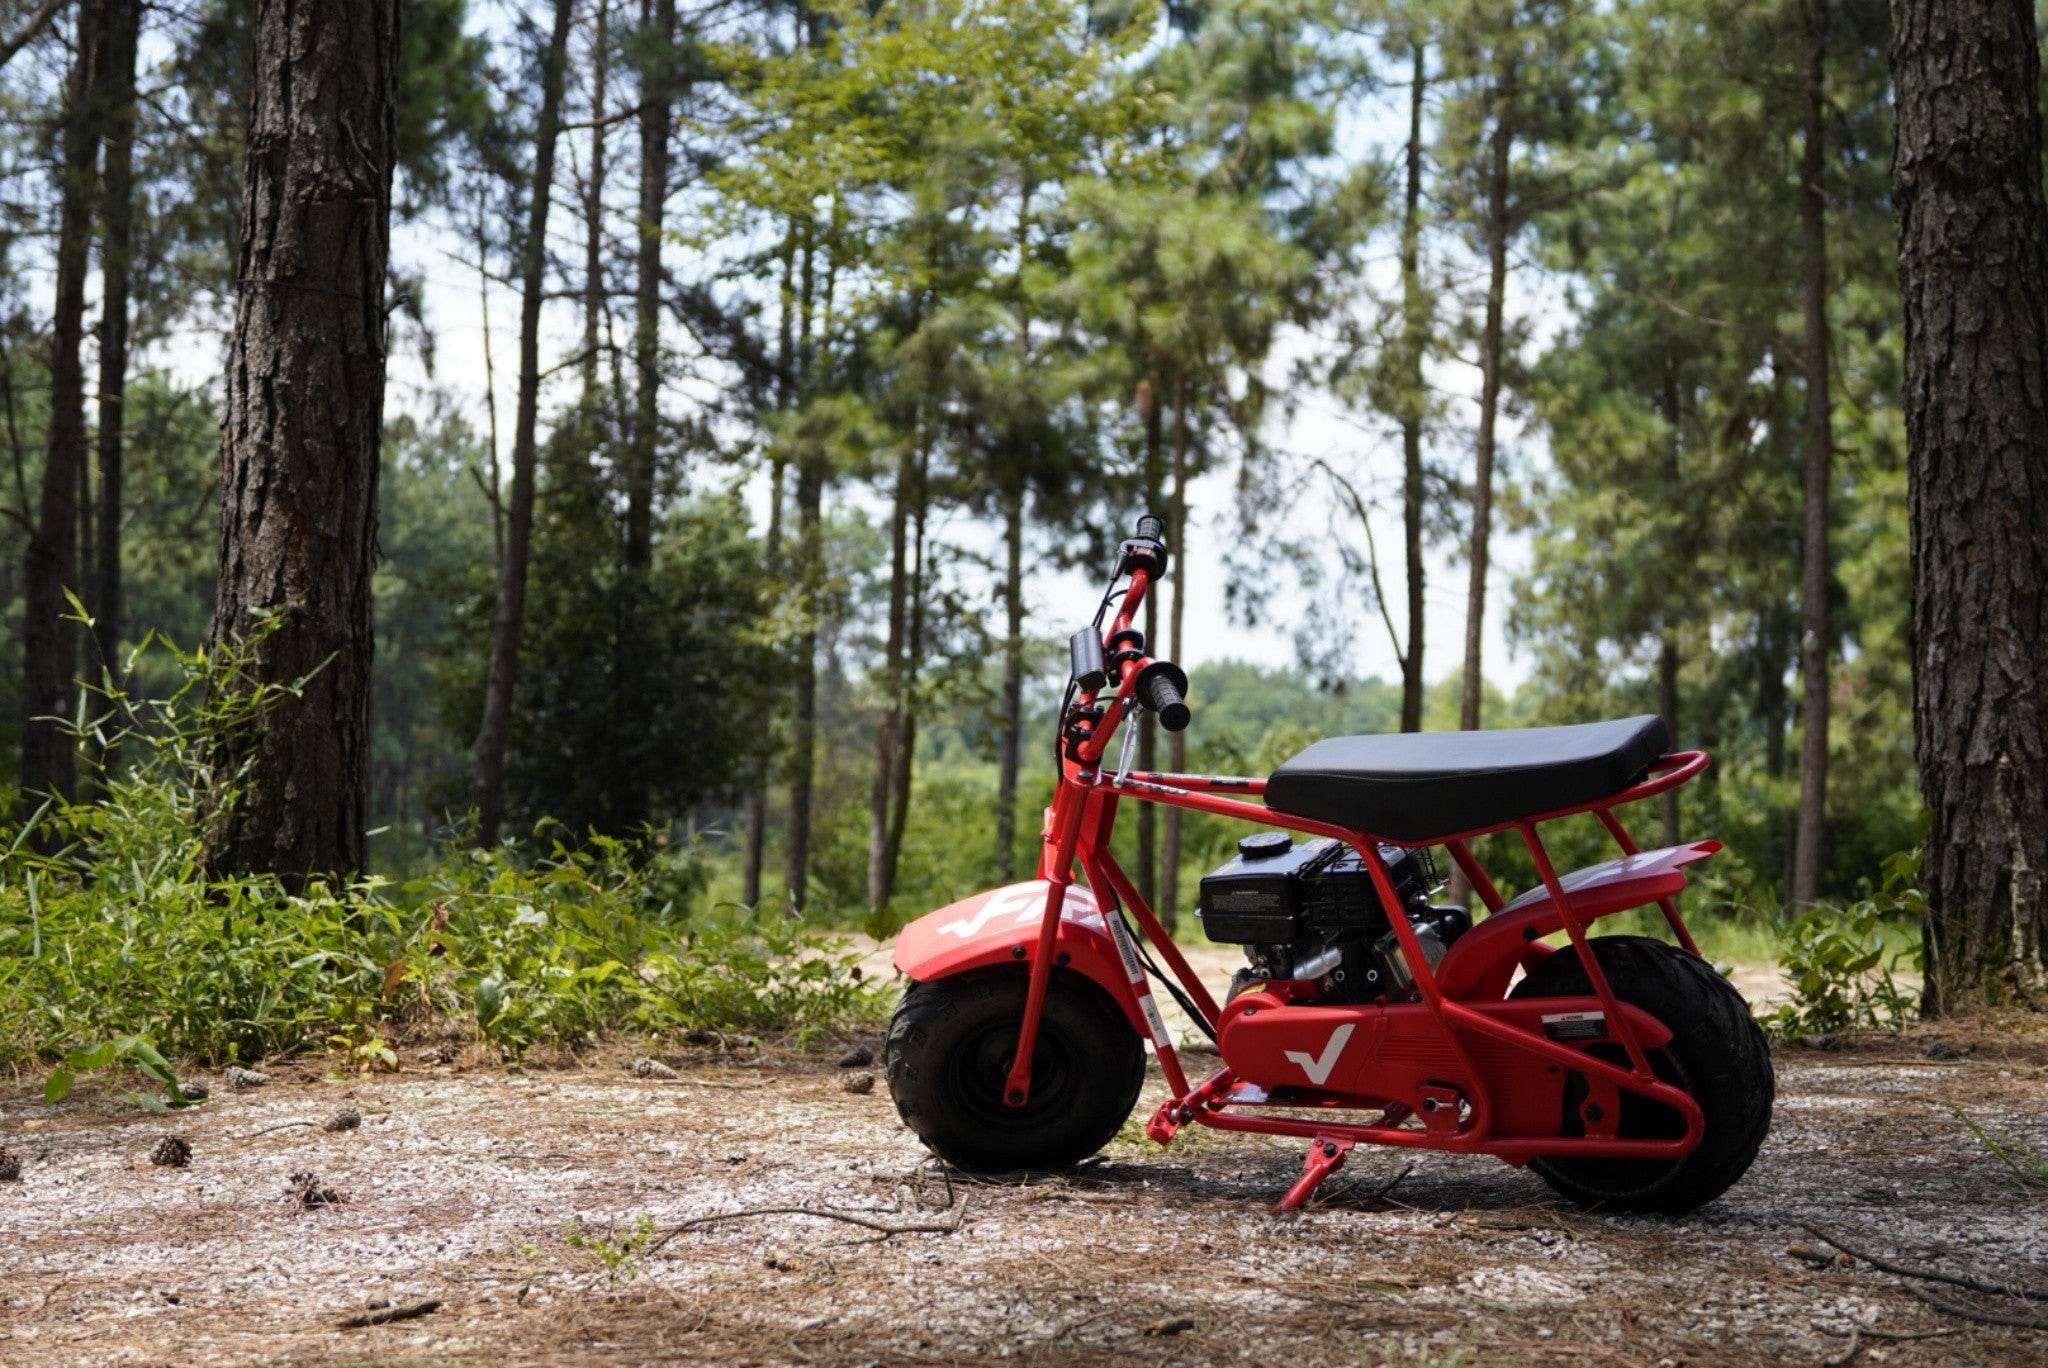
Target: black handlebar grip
(1162, 687)
(1151, 528)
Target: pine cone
(347, 1119)
(307, 1192)
(171, 1152)
(859, 1057)
(195, 1091)
(10, 1166)
(858, 1083)
(652, 1068)
(239, 1078)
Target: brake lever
(1123, 764)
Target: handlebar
(1162, 686)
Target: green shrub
(110, 930)
(1842, 963)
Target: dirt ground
(466, 1182)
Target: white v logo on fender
(1318, 1070)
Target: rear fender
(1001, 927)
(1479, 966)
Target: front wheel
(949, 1051)
(1716, 1053)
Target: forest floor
(467, 1181)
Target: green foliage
(2027, 1165)
(130, 1050)
(1842, 962)
(616, 1252)
(117, 936)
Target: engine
(1309, 913)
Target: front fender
(1001, 927)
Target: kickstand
(1325, 1157)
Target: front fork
(1078, 825)
(1056, 866)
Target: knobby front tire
(949, 1051)
(1716, 1053)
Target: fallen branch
(282, 1125)
(1967, 1281)
(390, 1314)
(1847, 1356)
(1942, 1304)
(866, 1222)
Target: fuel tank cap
(1264, 845)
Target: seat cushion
(1413, 786)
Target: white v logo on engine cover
(1318, 1070)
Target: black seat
(1415, 785)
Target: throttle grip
(1150, 527)
(1162, 686)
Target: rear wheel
(1716, 1053)
(949, 1051)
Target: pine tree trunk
(1973, 268)
(1667, 708)
(49, 646)
(1009, 741)
(785, 388)
(657, 113)
(1810, 835)
(803, 740)
(890, 713)
(1412, 341)
(756, 844)
(1176, 742)
(1490, 359)
(487, 778)
(913, 663)
(302, 432)
(1147, 725)
(593, 204)
(117, 220)
(810, 577)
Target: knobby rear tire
(1716, 1053)
(949, 1050)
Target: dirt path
(463, 1186)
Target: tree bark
(49, 646)
(810, 575)
(1500, 146)
(593, 203)
(1413, 327)
(785, 388)
(890, 714)
(913, 663)
(117, 221)
(487, 776)
(302, 433)
(803, 741)
(1815, 633)
(1147, 725)
(1973, 268)
(1176, 742)
(657, 113)
(1009, 740)
(1667, 708)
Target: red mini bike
(1624, 1070)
